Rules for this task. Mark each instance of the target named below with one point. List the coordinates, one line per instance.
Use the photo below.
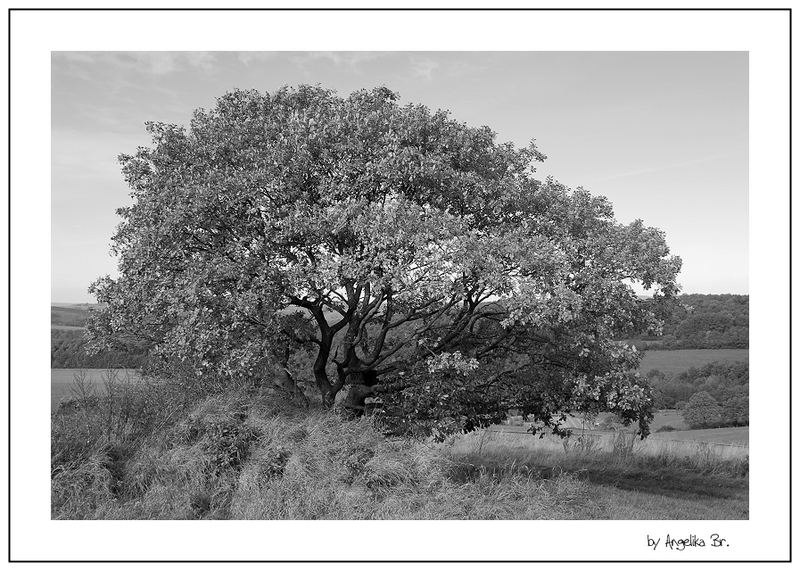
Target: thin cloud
(352, 61)
(424, 67)
(247, 58)
(75, 58)
(659, 168)
(163, 63)
(148, 63)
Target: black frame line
(397, 9)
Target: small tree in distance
(410, 256)
(702, 411)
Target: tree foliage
(411, 257)
(702, 411)
(727, 383)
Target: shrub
(702, 411)
(110, 443)
(123, 415)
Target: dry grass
(656, 445)
(247, 456)
(233, 457)
(622, 462)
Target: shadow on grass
(667, 483)
(677, 481)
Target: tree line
(701, 321)
(714, 395)
(68, 351)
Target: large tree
(413, 257)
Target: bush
(175, 458)
(702, 411)
(666, 428)
(97, 438)
(121, 416)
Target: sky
(663, 135)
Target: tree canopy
(702, 411)
(412, 257)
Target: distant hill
(704, 321)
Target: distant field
(661, 418)
(75, 316)
(722, 442)
(62, 381)
(729, 435)
(672, 418)
(681, 360)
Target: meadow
(738, 435)
(722, 442)
(69, 314)
(680, 360)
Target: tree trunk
(360, 386)
(325, 388)
(356, 397)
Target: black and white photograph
(372, 285)
(407, 285)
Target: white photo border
(35, 34)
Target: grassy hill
(245, 455)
